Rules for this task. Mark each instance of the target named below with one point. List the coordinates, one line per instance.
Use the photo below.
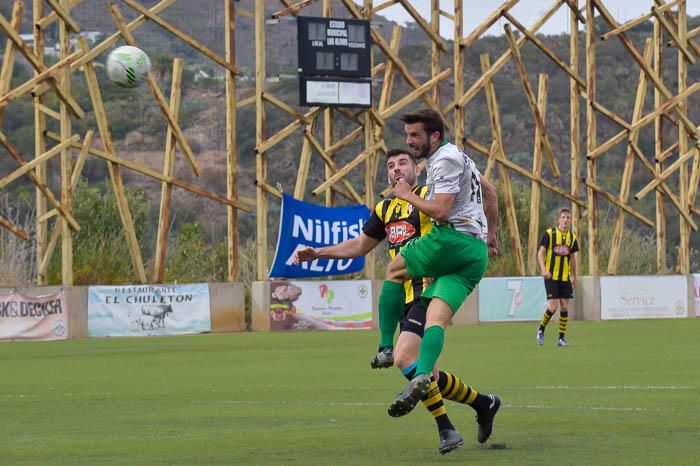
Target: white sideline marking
(34, 397)
(603, 387)
(509, 406)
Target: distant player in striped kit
(558, 266)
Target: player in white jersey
(464, 209)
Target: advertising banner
(506, 299)
(321, 305)
(303, 224)
(144, 310)
(25, 317)
(643, 297)
(696, 293)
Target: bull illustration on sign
(153, 316)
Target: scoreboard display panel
(334, 47)
(335, 92)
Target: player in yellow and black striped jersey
(558, 266)
(399, 222)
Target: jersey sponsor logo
(562, 250)
(398, 232)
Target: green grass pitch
(624, 392)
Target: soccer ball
(128, 66)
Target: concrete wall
(260, 306)
(227, 304)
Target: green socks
(391, 303)
(430, 349)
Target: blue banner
(303, 224)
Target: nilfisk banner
(303, 224)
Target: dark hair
(564, 209)
(432, 121)
(394, 152)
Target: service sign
(644, 297)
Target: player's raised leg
(391, 303)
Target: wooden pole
(260, 156)
(328, 119)
(503, 175)
(485, 24)
(66, 155)
(113, 168)
(574, 112)
(520, 170)
(245, 205)
(618, 228)
(458, 53)
(372, 161)
(182, 36)
(531, 99)
(114, 38)
(8, 59)
(39, 147)
(535, 190)
(41, 186)
(168, 169)
(15, 230)
(591, 139)
(305, 161)
(684, 240)
(39, 66)
(503, 59)
(435, 47)
(400, 65)
(663, 187)
(231, 140)
(653, 77)
(155, 90)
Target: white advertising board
(643, 297)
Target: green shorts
(455, 260)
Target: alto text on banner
(24, 317)
(643, 297)
(303, 224)
(144, 310)
(321, 305)
(506, 299)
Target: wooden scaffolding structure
(318, 128)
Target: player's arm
(543, 268)
(574, 267)
(438, 208)
(490, 196)
(348, 249)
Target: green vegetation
(625, 392)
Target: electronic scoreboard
(334, 62)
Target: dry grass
(17, 256)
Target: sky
(526, 11)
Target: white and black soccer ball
(128, 66)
